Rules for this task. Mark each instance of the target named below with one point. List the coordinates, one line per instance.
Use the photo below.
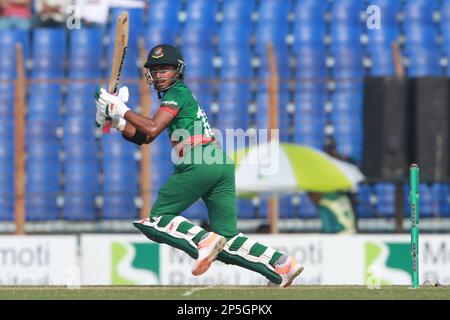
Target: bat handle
(107, 126)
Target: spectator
(335, 209)
(95, 12)
(50, 13)
(15, 14)
(336, 212)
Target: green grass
(222, 293)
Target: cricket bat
(120, 49)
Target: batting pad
(180, 233)
(176, 231)
(246, 253)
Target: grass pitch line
(191, 291)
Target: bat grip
(107, 126)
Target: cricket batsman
(191, 180)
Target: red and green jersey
(189, 115)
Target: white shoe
(288, 272)
(208, 249)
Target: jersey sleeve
(172, 102)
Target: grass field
(222, 293)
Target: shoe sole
(203, 265)
(296, 273)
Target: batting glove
(116, 122)
(113, 105)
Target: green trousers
(214, 183)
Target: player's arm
(141, 129)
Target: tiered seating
(441, 195)
(48, 53)
(346, 100)
(8, 38)
(81, 168)
(307, 209)
(237, 37)
(246, 209)
(385, 195)
(43, 164)
(445, 30)
(234, 94)
(272, 27)
(420, 33)
(120, 178)
(163, 23)
(130, 68)
(364, 208)
(198, 52)
(311, 73)
(86, 53)
(380, 40)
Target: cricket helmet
(165, 54)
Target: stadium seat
(163, 23)
(6, 178)
(86, 53)
(119, 206)
(348, 62)
(200, 25)
(441, 195)
(385, 194)
(45, 102)
(79, 96)
(311, 64)
(246, 209)
(389, 10)
(8, 40)
(48, 53)
(364, 208)
(422, 36)
(420, 11)
(199, 74)
(309, 23)
(42, 187)
(273, 22)
(163, 14)
(80, 146)
(6, 98)
(136, 23)
(234, 91)
(427, 207)
(120, 181)
(307, 208)
(289, 206)
(445, 22)
(382, 63)
(80, 189)
(309, 127)
(236, 26)
(423, 63)
(115, 147)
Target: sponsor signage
(37, 260)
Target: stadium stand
(322, 45)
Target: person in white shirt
(95, 12)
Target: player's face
(163, 75)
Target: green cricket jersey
(189, 115)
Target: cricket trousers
(212, 180)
